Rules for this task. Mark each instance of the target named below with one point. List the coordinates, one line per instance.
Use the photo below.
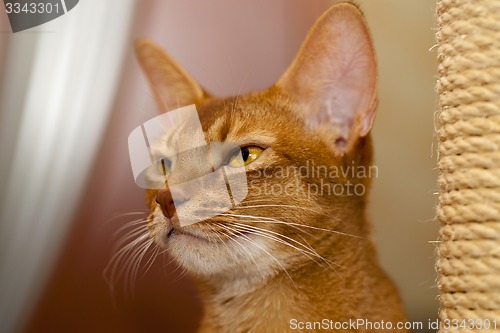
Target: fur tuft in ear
(172, 86)
(333, 77)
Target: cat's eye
(164, 166)
(248, 155)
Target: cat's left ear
(172, 86)
(334, 75)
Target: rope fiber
(468, 265)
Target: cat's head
(304, 147)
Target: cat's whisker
(125, 214)
(135, 241)
(131, 226)
(177, 266)
(262, 234)
(132, 234)
(281, 218)
(237, 234)
(263, 219)
(243, 206)
(295, 226)
(261, 200)
(327, 261)
(134, 264)
(271, 218)
(128, 229)
(251, 227)
(122, 257)
(252, 217)
(139, 259)
(119, 255)
(140, 253)
(128, 256)
(181, 274)
(132, 223)
(216, 232)
(151, 259)
(240, 235)
(243, 247)
(308, 252)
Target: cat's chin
(204, 254)
(204, 257)
(218, 267)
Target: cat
(296, 253)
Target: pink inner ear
(334, 74)
(351, 92)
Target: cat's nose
(166, 201)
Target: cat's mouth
(174, 231)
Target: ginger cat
(301, 259)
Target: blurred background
(71, 92)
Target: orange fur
(260, 288)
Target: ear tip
(139, 42)
(346, 8)
(143, 45)
(348, 5)
(352, 4)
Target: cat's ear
(172, 86)
(334, 75)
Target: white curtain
(57, 89)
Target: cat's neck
(304, 293)
(254, 306)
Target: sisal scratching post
(468, 266)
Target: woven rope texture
(468, 36)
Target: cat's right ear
(334, 76)
(172, 86)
